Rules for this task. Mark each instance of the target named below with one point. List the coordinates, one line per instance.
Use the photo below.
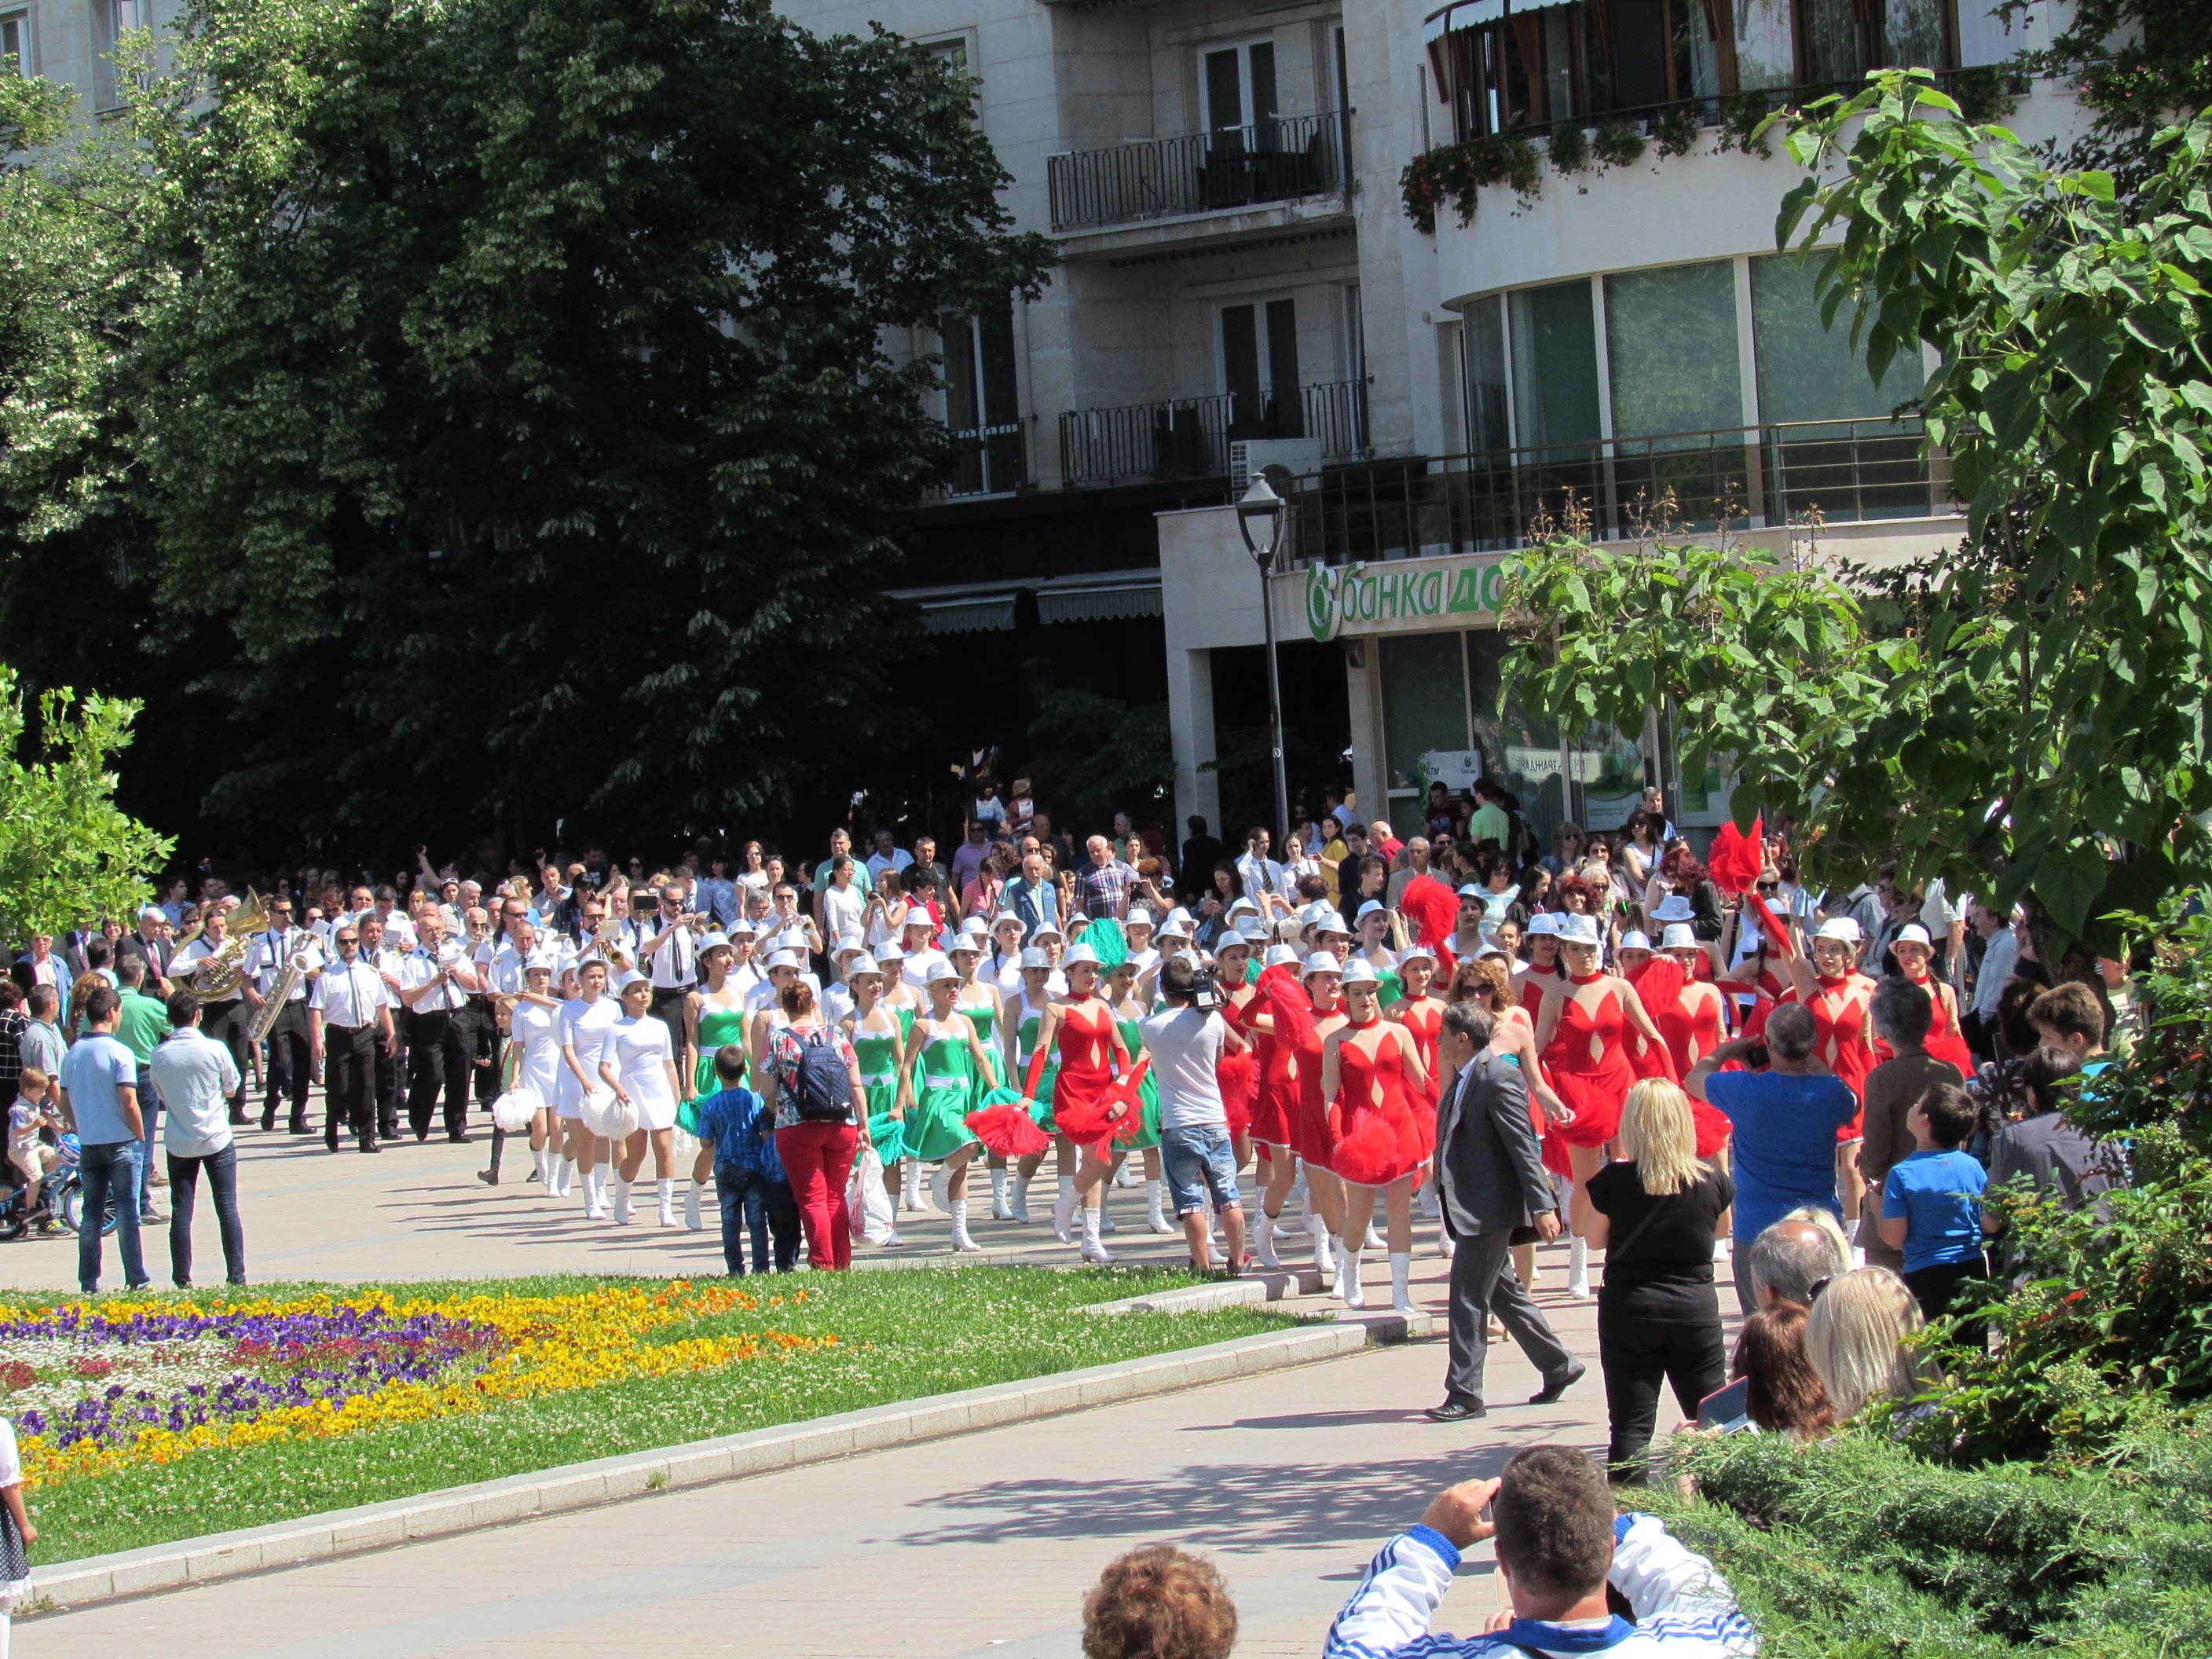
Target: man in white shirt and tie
(349, 1011)
(435, 980)
(670, 956)
(290, 1051)
(390, 1060)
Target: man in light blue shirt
(100, 1102)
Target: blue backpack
(823, 1090)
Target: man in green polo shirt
(144, 1022)
(1489, 821)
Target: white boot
(1444, 1246)
(1720, 1249)
(623, 1210)
(564, 1177)
(999, 1210)
(1263, 1240)
(960, 1239)
(1348, 1288)
(1063, 1210)
(691, 1207)
(1324, 1258)
(593, 1209)
(1125, 1176)
(909, 1187)
(937, 1188)
(1578, 1270)
(1401, 1289)
(1021, 1204)
(665, 1189)
(1374, 1240)
(1092, 1249)
(1155, 1220)
(1429, 1208)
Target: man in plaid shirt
(1101, 887)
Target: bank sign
(1401, 595)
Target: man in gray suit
(1491, 1180)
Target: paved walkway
(982, 1546)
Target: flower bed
(95, 1388)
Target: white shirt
(915, 970)
(399, 930)
(900, 860)
(502, 968)
(348, 994)
(1186, 1045)
(843, 908)
(187, 959)
(673, 967)
(196, 1077)
(269, 953)
(419, 967)
(1257, 875)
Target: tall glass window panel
(1766, 47)
(1424, 702)
(1807, 373)
(1986, 37)
(1487, 426)
(1641, 48)
(1912, 33)
(1286, 412)
(1522, 753)
(1555, 389)
(1834, 49)
(1670, 339)
(1240, 368)
(1696, 49)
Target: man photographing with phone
(1560, 1547)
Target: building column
(1190, 729)
(1362, 691)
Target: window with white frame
(15, 43)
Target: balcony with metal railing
(1188, 438)
(1744, 478)
(990, 460)
(1278, 160)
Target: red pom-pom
(1007, 1131)
(1737, 858)
(1433, 908)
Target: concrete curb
(193, 1561)
(1251, 1287)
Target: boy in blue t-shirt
(748, 1177)
(1931, 1204)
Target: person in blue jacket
(748, 1177)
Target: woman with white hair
(1856, 1334)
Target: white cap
(1180, 914)
(1472, 890)
(1139, 917)
(1674, 907)
(1241, 902)
(1034, 957)
(1253, 930)
(1232, 941)
(1329, 922)
(1679, 936)
(1176, 927)
(1044, 928)
(851, 943)
(1636, 939)
(1279, 956)
(1841, 929)
(978, 927)
(1080, 953)
(917, 916)
(1912, 933)
(1417, 949)
(715, 941)
(793, 938)
(939, 971)
(1578, 930)
(1360, 971)
(1321, 962)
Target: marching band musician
(290, 1051)
(389, 1058)
(479, 1018)
(222, 1020)
(670, 955)
(349, 1009)
(435, 981)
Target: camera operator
(1785, 1121)
(1186, 1041)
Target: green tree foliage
(2138, 65)
(524, 410)
(67, 852)
(1092, 756)
(2037, 701)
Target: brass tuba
(218, 976)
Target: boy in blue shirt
(1931, 1204)
(748, 1177)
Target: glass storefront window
(1670, 340)
(1522, 753)
(1424, 703)
(1807, 373)
(1484, 339)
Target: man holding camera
(1186, 1042)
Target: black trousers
(667, 1007)
(349, 1082)
(438, 1049)
(225, 1022)
(389, 1073)
(1639, 1347)
(479, 1027)
(291, 1063)
(1935, 1288)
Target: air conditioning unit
(1247, 456)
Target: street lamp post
(1262, 511)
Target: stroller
(61, 1196)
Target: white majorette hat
(1636, 939)
(716, 940)
(1231, 939)
(1044, 928)
(783, 959)
(1679, 936)
(1370, 908)
(1321, 962)
(967, 942)
(741, 925)
(1254, 930)
(1139, 917)
(1360, 971)
(793, 938)
(977, 925)
(1674, 907)
(888, 952)
(1578, 930)
(938, 972)
(917, 916)
(1176, 927)
(1180, 914)
(1241, 902)
(1417, 949)
(865, 966)
(1842, 929)
(1279, 956)
(1080, 953)
(1545, 921)
(1008, 919)
(1912, 933)
(1034, 957)
(849, 944)
(630, 976)
(1329, 922)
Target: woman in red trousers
(818, 1155)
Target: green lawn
(901, 1335)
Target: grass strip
(900, 1336)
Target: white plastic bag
(865, 1196)
(511, 1112)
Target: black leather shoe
(268, 1118)
(1555, 1386)
(488, 1177)
(300, 1125)
(369, 1147)
(1455, 1411)
(458, 1137)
